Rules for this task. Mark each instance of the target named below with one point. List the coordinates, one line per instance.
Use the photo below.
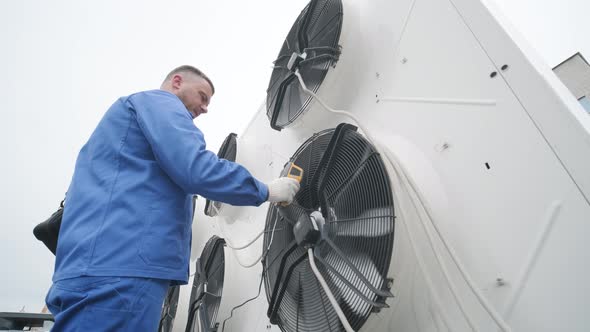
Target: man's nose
(204, 109)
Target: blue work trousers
(106, 304)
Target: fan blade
(321, 36)
(279, 292)
(279, 74)
(272, 261)
(292, 212)
(370, 223)
(212, 312)
(346, 264)
(313, 74)
(365, 283)
(278, 102)
(350, 285)
(293, 102)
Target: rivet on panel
(389, 283)
(442, 147)
(404, 60)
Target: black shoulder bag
(48, 231)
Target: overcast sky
(63, 62)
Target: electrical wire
(243, 303)
(261, 255)
(409, 184)
(261, 277)
(236, 248)
(245, 245)
(328, 292)
(227, 241)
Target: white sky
(63, 62)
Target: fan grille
(169, 309)
(345, 178)
(316, 33)
(228, 151)
(210, 272)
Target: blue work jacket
(129, 206)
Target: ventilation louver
(227, 151)
(310, 47)
(351, 235)
(169, 309)
(207, 287)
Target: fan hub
(294, 61)
(307, 229)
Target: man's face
(195, 93)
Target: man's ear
(176, 81)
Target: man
(126, 231)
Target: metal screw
(389, 283)
(445, 146)
(377, 75)
(404, 60)
(500, 282)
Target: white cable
(402, 214)
(229, 244)
(328, 292)
(246, 245)
(439, 259)
(234, 249)
(483, 301)
(481, 298)
(247, 266)
(263, 252)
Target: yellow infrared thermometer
(294, 172)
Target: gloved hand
(282, 190)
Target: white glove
(282, 190)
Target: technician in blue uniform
(126, 229)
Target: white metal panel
(551, 107)
(501, 161)
(553, 293)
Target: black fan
(227, 151)
(346, 187)
(310, 47)
(207, 287)
(169, 309)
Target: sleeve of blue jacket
(179, 148)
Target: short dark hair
(190, 69)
